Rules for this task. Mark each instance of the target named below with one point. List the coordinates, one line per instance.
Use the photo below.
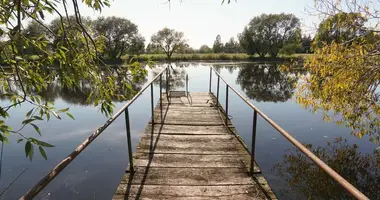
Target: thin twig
(13, 182)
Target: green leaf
(29, 150)
(20, 140)
(40, 143)
(64, 110)
(27, 121)
(71, 116)
(42, 152)
(29, 113)
(36, 128)
(37, 117)
(56, 115)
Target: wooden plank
(188, 105)
(188, 100)
(193, 138)
(189, 112)
(183, 147)
(183, 118)
(230, 192)
(188, 176)
(188, 160)
(183, 108)
(183, 130)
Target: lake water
(96, 173)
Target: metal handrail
(65, 162)
(338, 178)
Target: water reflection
(176, 76)
(266, 82)
(361, 170)
(85, 93)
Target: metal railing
(33, 192)
(338, 178)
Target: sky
(200, 20)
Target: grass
(213, 56)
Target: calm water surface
(96, 173)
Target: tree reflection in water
(266, 82)
(177, 77)
(86, 93)
(361, 170)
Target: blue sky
(200, 20)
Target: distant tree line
(265, 35)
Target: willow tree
(345, 69)
(272, 34)
(169, 40)
(72, 58)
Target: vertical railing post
(209, 86)
(187, 85)
(129, 143)
(167, 84)
(151, 101)
(226, 120)
(161, 97)
(254, 127)
(217, 92)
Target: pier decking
(192, 154)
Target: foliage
(247, 43)
(218, 45)
(69, 56)
(304, 176)
(169, 40)
(120, 36)
(232, 46)
(340, 28)
(205, 49)
(138, 45)
(269, 34)
(33, 31)
(306, 43)
(153, 49)
(344, 76)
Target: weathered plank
(188, 176)
(189, 160)
(190, 130)
(230, 192)
(185, 118)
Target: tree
(339, 28)
(153, 49)
(138, 45)
(344, 75)
(232, 46)
(308, 180)
(120, 35)
(205, 49)
(269, 34)
(35, 31)
(73, 58)
(306, 43)
(218, 45)
(247, 43)
(168, 40)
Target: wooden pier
(191, 150)
(190, 153)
